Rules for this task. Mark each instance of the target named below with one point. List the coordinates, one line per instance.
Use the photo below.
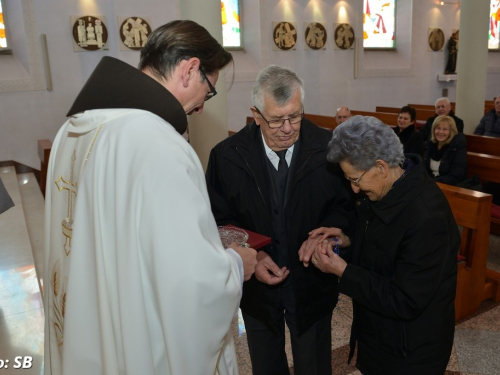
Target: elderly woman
(446, 155)
(412, 140)
(402, 278)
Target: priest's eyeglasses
(212, 92)
(356, 181)
(276, 124)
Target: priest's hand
(267, 271)
(249, 258)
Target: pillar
(472, 62)
(209, 128)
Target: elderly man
(342, 114)
(137, 280)
(272, 178)
(490, 123)
(443, 108)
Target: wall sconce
(449, 3)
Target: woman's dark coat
(402, 279)
(412, 140)
(453, 167)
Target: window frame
(240, 47)
(8, 49)
(497, 49)
(394, 48)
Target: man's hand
(267, 271)
(249, 258)
(306, 250)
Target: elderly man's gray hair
(362, 140)
(278, 83)
(445, 99)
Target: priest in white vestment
(137, 280)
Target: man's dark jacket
(402, 279)
(239, 182)
(453, 167)
(427, 128)
(489, 125)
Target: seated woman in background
(412, 140)
(446, 154)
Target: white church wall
(385, 78)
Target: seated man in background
(342, 114)
(443, 108)
(490, 123)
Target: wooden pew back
(422, 114)
(487, 167)
(386, 118)
(483, 145)
(471, 210)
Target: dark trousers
(312, 351)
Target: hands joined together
(318, 249)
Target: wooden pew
(44, 146)
(422, 114)
(429, 107)
(386, 118)
(487, 167)
(471, 210)
(483, 145)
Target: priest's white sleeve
(238, 263)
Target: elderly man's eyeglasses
(276, 124)
(212, 92)
(356, 181)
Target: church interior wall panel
(28, 116)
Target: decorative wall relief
(134, 31)
(284, 35)
(343, 35)
(315, 35)
(436, 39)
(89, 33)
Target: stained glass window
(493, 37)
(231, 25)
(3, 31)
(379, 23)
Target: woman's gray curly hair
(361, 140)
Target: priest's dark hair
(180, 40)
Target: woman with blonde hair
(446, 154)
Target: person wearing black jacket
(412, 141)
(403, 274)
(272, 177)
(446, 154)
(443, 108)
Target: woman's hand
(327, 261)
(321, 234)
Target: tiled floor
(477, 339)
(21, 309)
